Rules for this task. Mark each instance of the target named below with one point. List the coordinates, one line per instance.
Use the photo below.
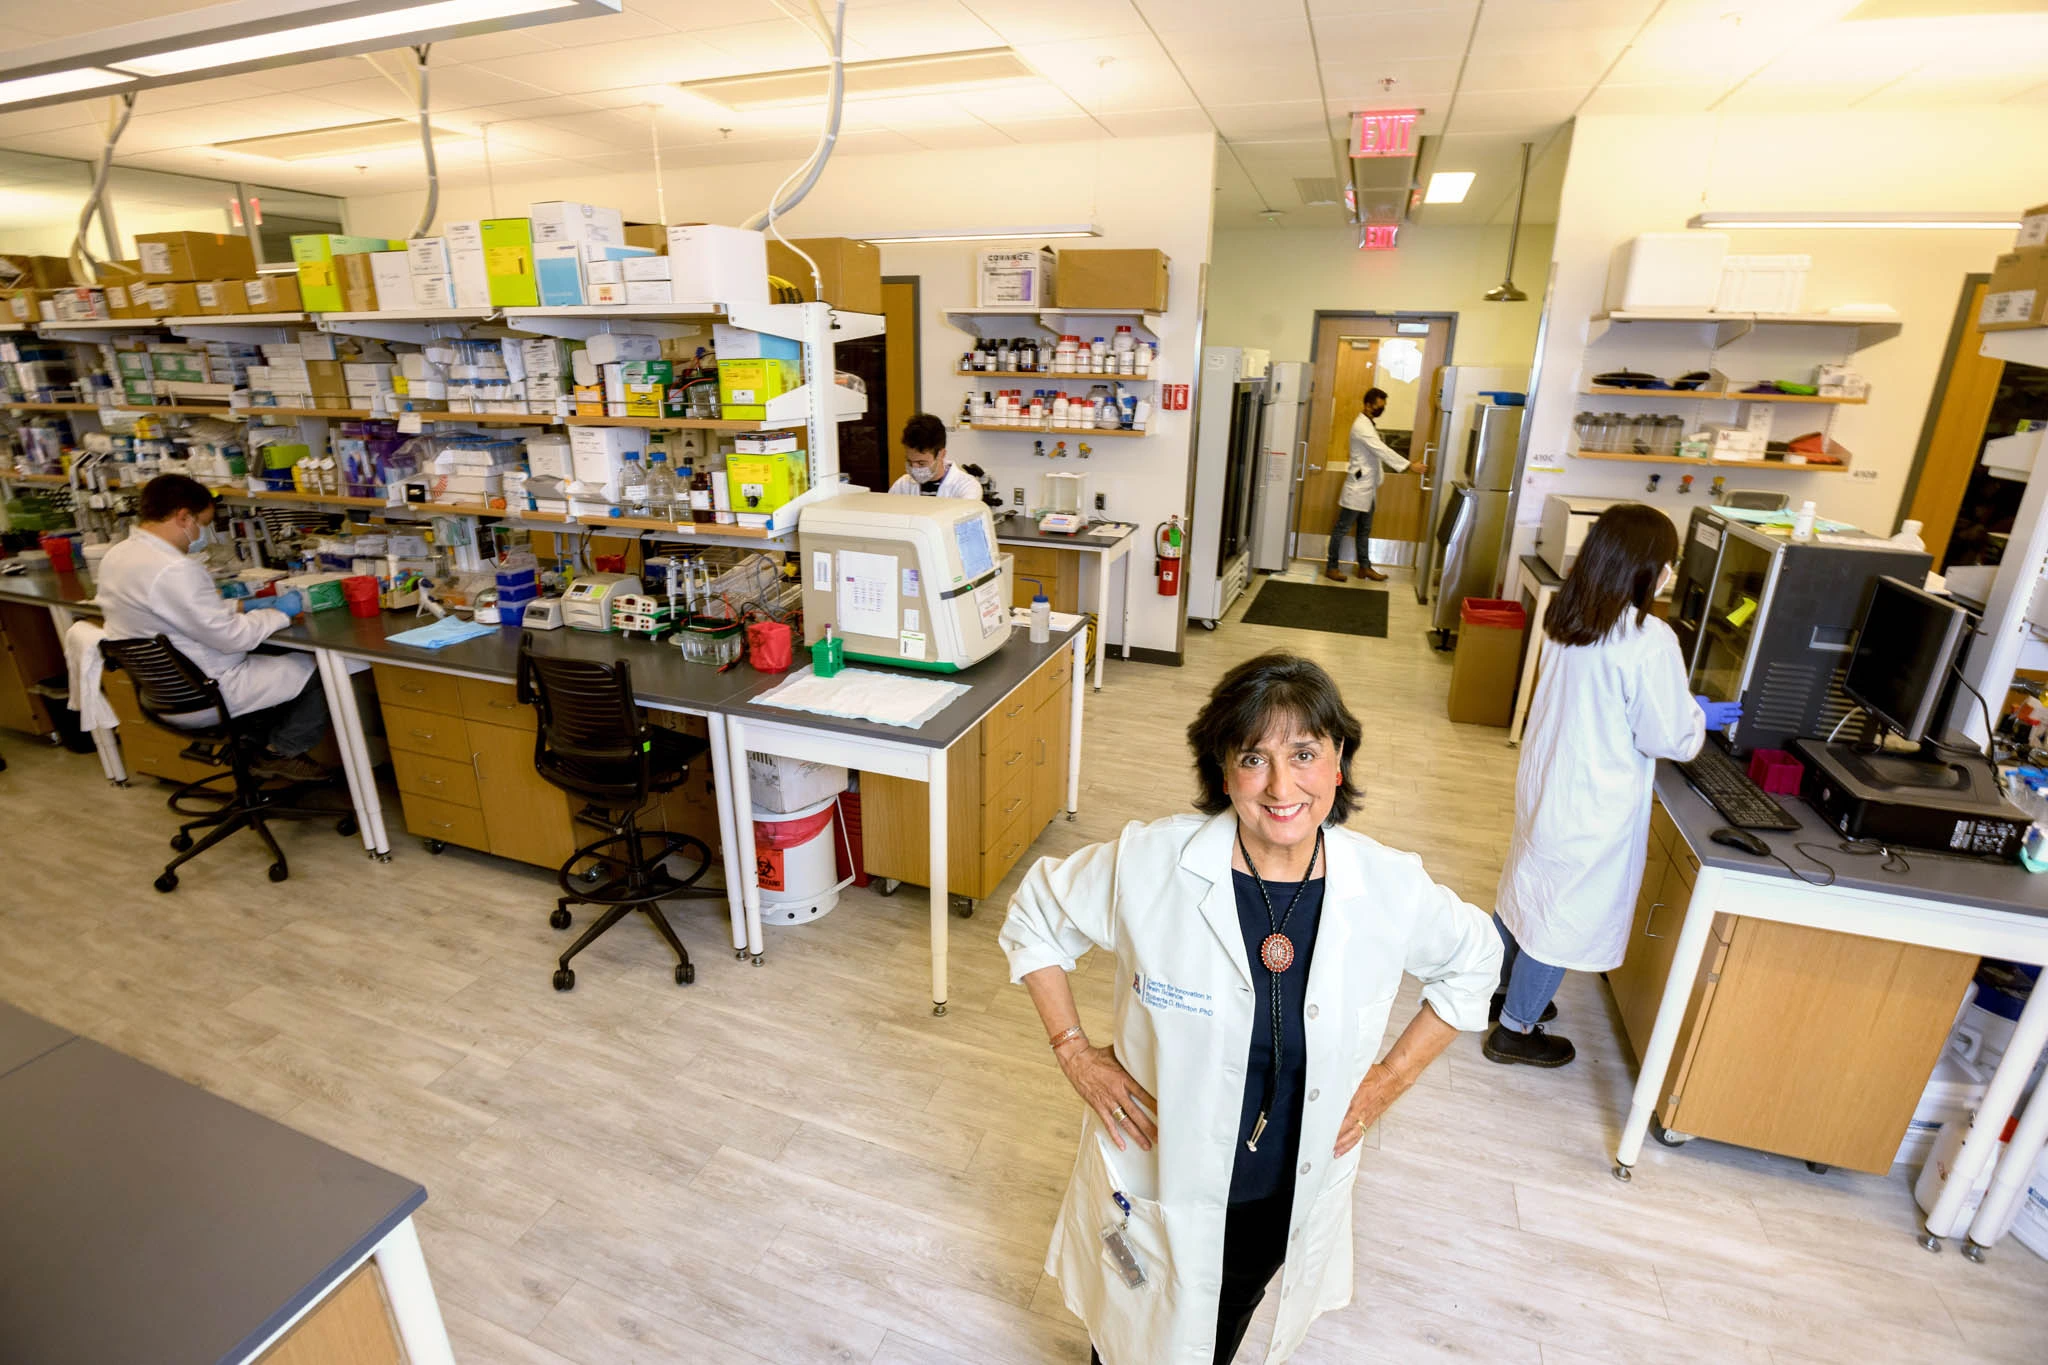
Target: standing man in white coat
(154, 584)
(1610, 702)
(1371, 457)
(1259, 947)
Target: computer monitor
(1904, 649)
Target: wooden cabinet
(351, 1326)
(148, 750)
(1059, 570)
(30, 652)
(1797, 1041)
(1005, 780)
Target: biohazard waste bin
(1487, 661)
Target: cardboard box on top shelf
(174, 299)
(194, 256)
(273, 294)
(35, 272)
(24, 305)
(319, 276)
(508, 262)
(709, 263)
(2033, 227)
(850, 270)
(391, 276)
(117, 272)
(222, 297)
(2018, 293)
(1015, 279)
(1112, 279)
(653, 236)
(358, 275)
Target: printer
(915, 582)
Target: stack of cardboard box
(2017, 295)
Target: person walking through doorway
(1371, 457)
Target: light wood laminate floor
(797, 1163)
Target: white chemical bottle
(1041, 617)
(1802, 521)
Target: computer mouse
(1742, 839)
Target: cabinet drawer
(441, 779)
(1037, 561)
(1003, 805)
(1006, 727)
(417, 689)
(1002, 762)
(1052, 677)
(424, 732)
(446, 821)
(1663, 832)
(1685, 862)
(495, 704)
(1002, 853)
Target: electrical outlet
(1102, 502)
(1017, 496)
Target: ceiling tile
(1137, 76)
(1156, 122)
(1355, 83)
(636, 21)
(1078, 129)
(688, 16)
(1229, 83)
(1410, 33)
(958, 136)
(776, 45)
(1041, 99)
(1283, 118)
(608, 66)
(1513, 111)
(1657, 97)
(1554, 61)
(1071, 20)
(1507, 24)
(915, 27)
(1796, 97)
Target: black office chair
(592, 743)
(175, 696)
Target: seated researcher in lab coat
(1370, 458)
(1259, 946)
(153, 584)
(1610, 701)
(924, 462)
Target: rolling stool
(592, 742)
(169, 686)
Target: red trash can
(1487, 662)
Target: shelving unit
(1089, 378)
(2022, 346)
(1786, 465)
(1054, 431)
(51, 407)
(1728, 327)
(1718, 396)
(1055, 322)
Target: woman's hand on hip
(1122, 1103)
(1375, 1095)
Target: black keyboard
(1718, 777)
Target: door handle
(1650, 920)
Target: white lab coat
(1371, 457)
(1603, 715)
(1159, 897)
(954, 483)
(147, 586)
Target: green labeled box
(746, 385)
(508, 262)
(762, 483)
(314, 252)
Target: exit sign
(1377, 236)
(1383, 132)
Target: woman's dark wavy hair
(1617, 568)
(1243, 708)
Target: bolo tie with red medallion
(1276, 954)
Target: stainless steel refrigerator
(1229, 415)
(1475, 508)
(1283, 463)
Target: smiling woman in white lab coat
(1610, 702)
(1258, 949)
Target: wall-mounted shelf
(188, 409)
(1053, 431)
(670, 423)
(52, 407)
(1055, 322)
(1062, 375)
(1631, 458)
(1869, 331)
(2021, 346)
(1717, 396)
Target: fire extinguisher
(1168, 543)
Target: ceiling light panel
(341, 140)
(1448, 187)
(27, 90)
(247, 35)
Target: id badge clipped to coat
(1121, 1253)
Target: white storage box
(2013, 457)
(1014, 279)
(1762, 284)
(784, 785)
(713, 264)
(1667, 272)
(1953, 1093)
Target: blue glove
(1720, 714)
(291, 603)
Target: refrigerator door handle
(1301, 461)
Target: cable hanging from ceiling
(833, 35)
(119, 110)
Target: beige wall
(1635, 175)
(1154, 192)
(1265, 285)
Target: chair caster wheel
(278, 872)
(963, 907)
(1666, 1137)
(564, 979)
(345, 826)
(559, 920)
(589, 876)
(686, 972)
(435, 846)
(1818, 1167)
(180, 841)
(167, 882)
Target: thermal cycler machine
(911, 581)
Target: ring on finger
(1117, 1112)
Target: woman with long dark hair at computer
(1610, 701)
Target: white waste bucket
(1947, 1144)
(794, 862)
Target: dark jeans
(296, 726)
(1358, 525)
(1529, 984)
(1254, 1245)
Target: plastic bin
(1776, 771)
(1487, 661)
(796, 861)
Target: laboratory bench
(462, 749)
(1056, 561)
(150, 1221)
(1803, 1019)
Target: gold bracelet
(1067, 1035)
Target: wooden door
(1354, 354)
(900, 359)
(1955, 431)
(525, 817)
(1352, 369)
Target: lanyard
(1276, 953)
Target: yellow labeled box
(764, 482)
(745, 385)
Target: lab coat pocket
(1145, 1230)
(1372, 1027)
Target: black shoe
(295, 768)
(1534, 1048)
(1501, 998)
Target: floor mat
(1311, 606)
